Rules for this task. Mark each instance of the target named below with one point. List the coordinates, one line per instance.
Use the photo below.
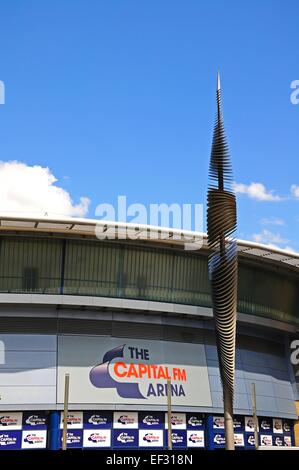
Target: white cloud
(295, 190)
(273, 240)
(289, 248)
(272, 221)
(256, 191)
(31, 190)
(265, 236)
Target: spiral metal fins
(222, 222)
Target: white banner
(117, 370)
(10, 421)
(218, 422)
(98, 438)
(239, 440)
(34, 440)
(125, 420)
(195, 439)
(74, 420)
(249, 424)
(266, 440)
(150, 438)
(277, 426)
(178, 420)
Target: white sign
(287, 441)
(239, 440)
(277, 426)
(150, 438)
(218, 422)
(125, 420)
(266, 440)
(195, 439)
(10, 421)
(178, 420)
(74, 420)
(34, 440)
(97, 438)
(118, 370)
(249, 424)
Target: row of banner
(23, 430)
(246, 424)
(122, 429)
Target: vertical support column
(228, 419)
(65, 410)
(62, 267)
(54, 430)
(169, 432)
(121, 273)
(296, 427)
(255, 420)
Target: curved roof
(120, 230)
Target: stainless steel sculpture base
(228, 420)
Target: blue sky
(118, 97)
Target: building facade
(123, 314)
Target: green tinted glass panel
(78, 267)
(30, 265)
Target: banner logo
(150, 437)
(125, 438)
(105, 374)
(35, 420)
(8, 421)
(194, 421)
(150, 420)
(33, 439)
(6, 440)
(177, 438)
(125, 419)
(196, 438)
(96, 437)
(96, 420)
(219, 439)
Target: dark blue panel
(34, 420)
(151, 420)
(125, 439)
(219, 440)
(278, 440)
(10, 440)
(195, 421)
(287, 426)
(265, 425)
(239, 425)
(74, 438)
(249, 440)
(178, 437)
(97, 419)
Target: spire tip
(218, 81)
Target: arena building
(122, 315)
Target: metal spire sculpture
(223, 267)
